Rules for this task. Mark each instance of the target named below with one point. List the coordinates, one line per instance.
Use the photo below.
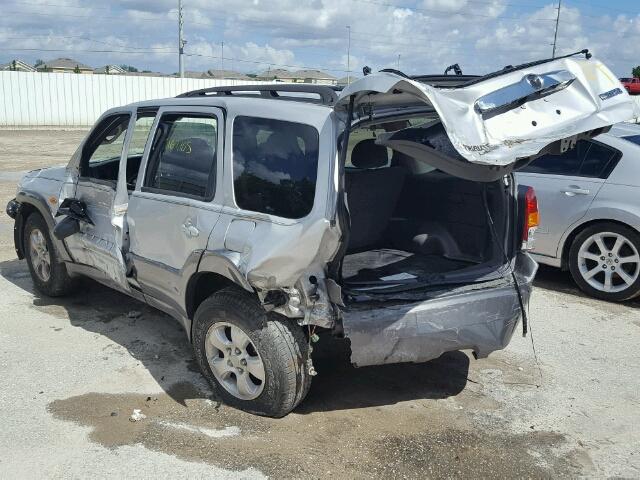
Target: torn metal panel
(510, 116)
(480, 320)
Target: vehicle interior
(101, 154)
(415, 225)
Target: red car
(632, 85)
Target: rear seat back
(372, 193)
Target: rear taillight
(531, 218)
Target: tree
(635, 71)
(77, 69)
(38, 63)
(128, 68)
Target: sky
(416, 36)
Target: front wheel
(48, 273)
(605, 263)
(255, 361)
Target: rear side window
(275, 164)
(183, 156)
(587, 159)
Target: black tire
(59, 283)
(574, 262)
(279, 341)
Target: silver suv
(263, 217)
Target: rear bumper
(481, 320)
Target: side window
(140, 134)
(597, 161)
(589, 159)
(275, 164)
(566, 164)
(182, 160)
(139, 137)
(101, 154)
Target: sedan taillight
(531, 218)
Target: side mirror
(74, 209)
(66, 227)
(76, 212)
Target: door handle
(189, 229)
(573, 190)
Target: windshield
(633, 139)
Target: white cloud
(428, 34)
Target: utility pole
(181, 41)
(555, 35)
(222, 57)
(349, 55)
(398, 63)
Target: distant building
(226, 75)
(17, 66)
(64, 65)
(299, 76)
(190, 74)
(344, 81)
(315, 76)
(277, 74)
(110, 70)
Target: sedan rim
(609, 262)
(234, 361)
(40, 256)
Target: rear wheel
(254, 361)
(605, 263)
(49, 274)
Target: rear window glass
(275, 164)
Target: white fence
(69, 99)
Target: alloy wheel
(609, 262)
(40, 256)
(234, 361)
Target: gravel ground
(74, 370)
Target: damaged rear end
(434, 229)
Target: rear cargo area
(412, 225)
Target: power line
(80, 37)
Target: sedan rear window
(634, 139)
(275, 164)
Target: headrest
(192, 153)
(281, 144)
(367, 154)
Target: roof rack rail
(326, 95)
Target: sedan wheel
(235, 361)
(605, 262)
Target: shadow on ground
(551, 278)
(159, 343)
